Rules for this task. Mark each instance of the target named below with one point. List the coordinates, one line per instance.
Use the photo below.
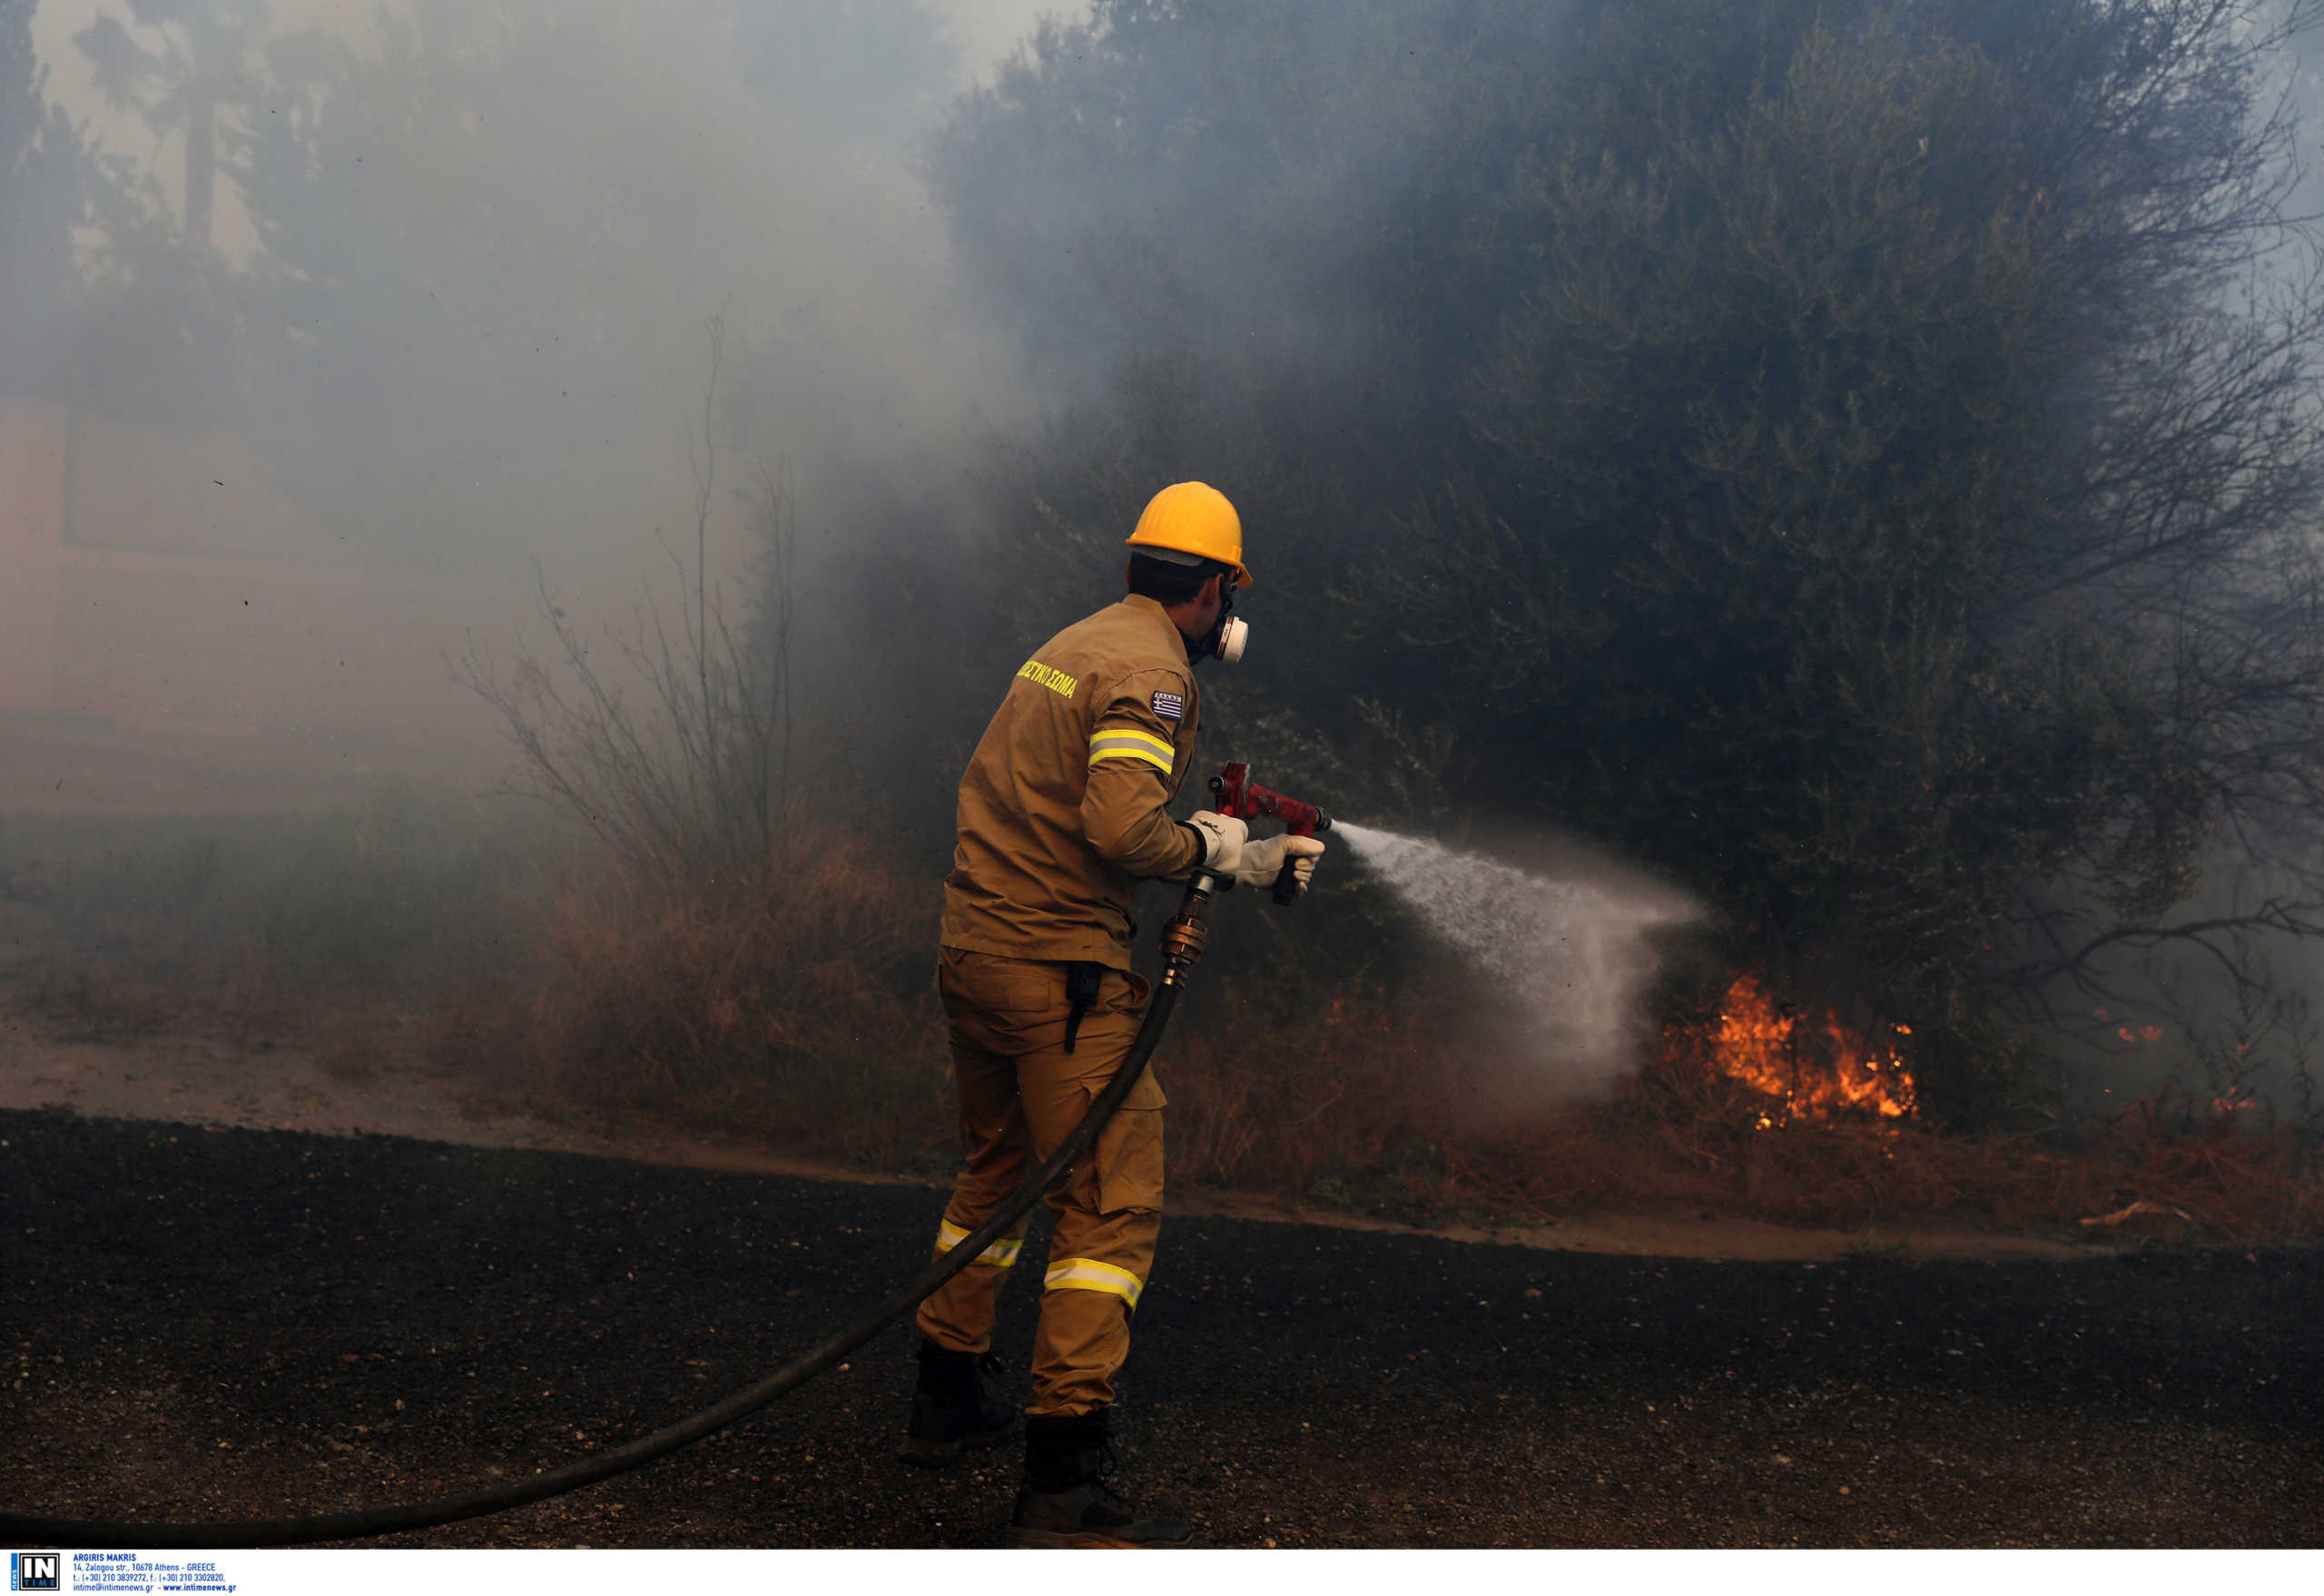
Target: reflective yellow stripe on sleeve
(1129, 743)
(1000, 1255)
(1089, 1275)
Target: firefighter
(1063, 810)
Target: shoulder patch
(1169, 706)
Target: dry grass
(256, 928)
(1676, 1137)
(1329, 1099)
(801, 1017)
(1365, 1109)
(352, 1057)
(90, 998)
(125, 991)
(798, 1014)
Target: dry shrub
(127, 992)
(348, 1057)
(1355, 1103)
(2232, 1180)
(798, 1013)
(1678, 1135)
(92, 998)
(1366, 1107)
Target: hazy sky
(795, 221)
(430, 421)
(984, 30)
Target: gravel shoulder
(244, 1323)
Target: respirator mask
(1227, 634)
(1223, 642)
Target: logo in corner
(35, 1570)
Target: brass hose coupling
(1184, 938)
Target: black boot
(1066, 1500)
(958, 1407)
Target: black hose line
(24, 1530)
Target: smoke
(444, 325)
(1576, 955)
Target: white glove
(1262, 861)
(1224, 839)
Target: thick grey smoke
(440, 322)
(1577, 955)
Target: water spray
(1577, 954)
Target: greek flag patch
(1169, 706)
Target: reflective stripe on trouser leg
(1020, 1095)
(1090, 1274)
(1107, 1219)
(958, 1314)
(1000, 1255)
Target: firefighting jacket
(1063, 808)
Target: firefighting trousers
(1021, 1093)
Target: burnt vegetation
(1860, 459)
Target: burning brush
(1814, 1067)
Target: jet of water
(1576, 954)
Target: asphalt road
(243, 1325)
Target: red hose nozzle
(1241, 798)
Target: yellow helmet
(1193, 517)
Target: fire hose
(1182, 944)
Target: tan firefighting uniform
(1062, 810)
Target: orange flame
(1818, 1071)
